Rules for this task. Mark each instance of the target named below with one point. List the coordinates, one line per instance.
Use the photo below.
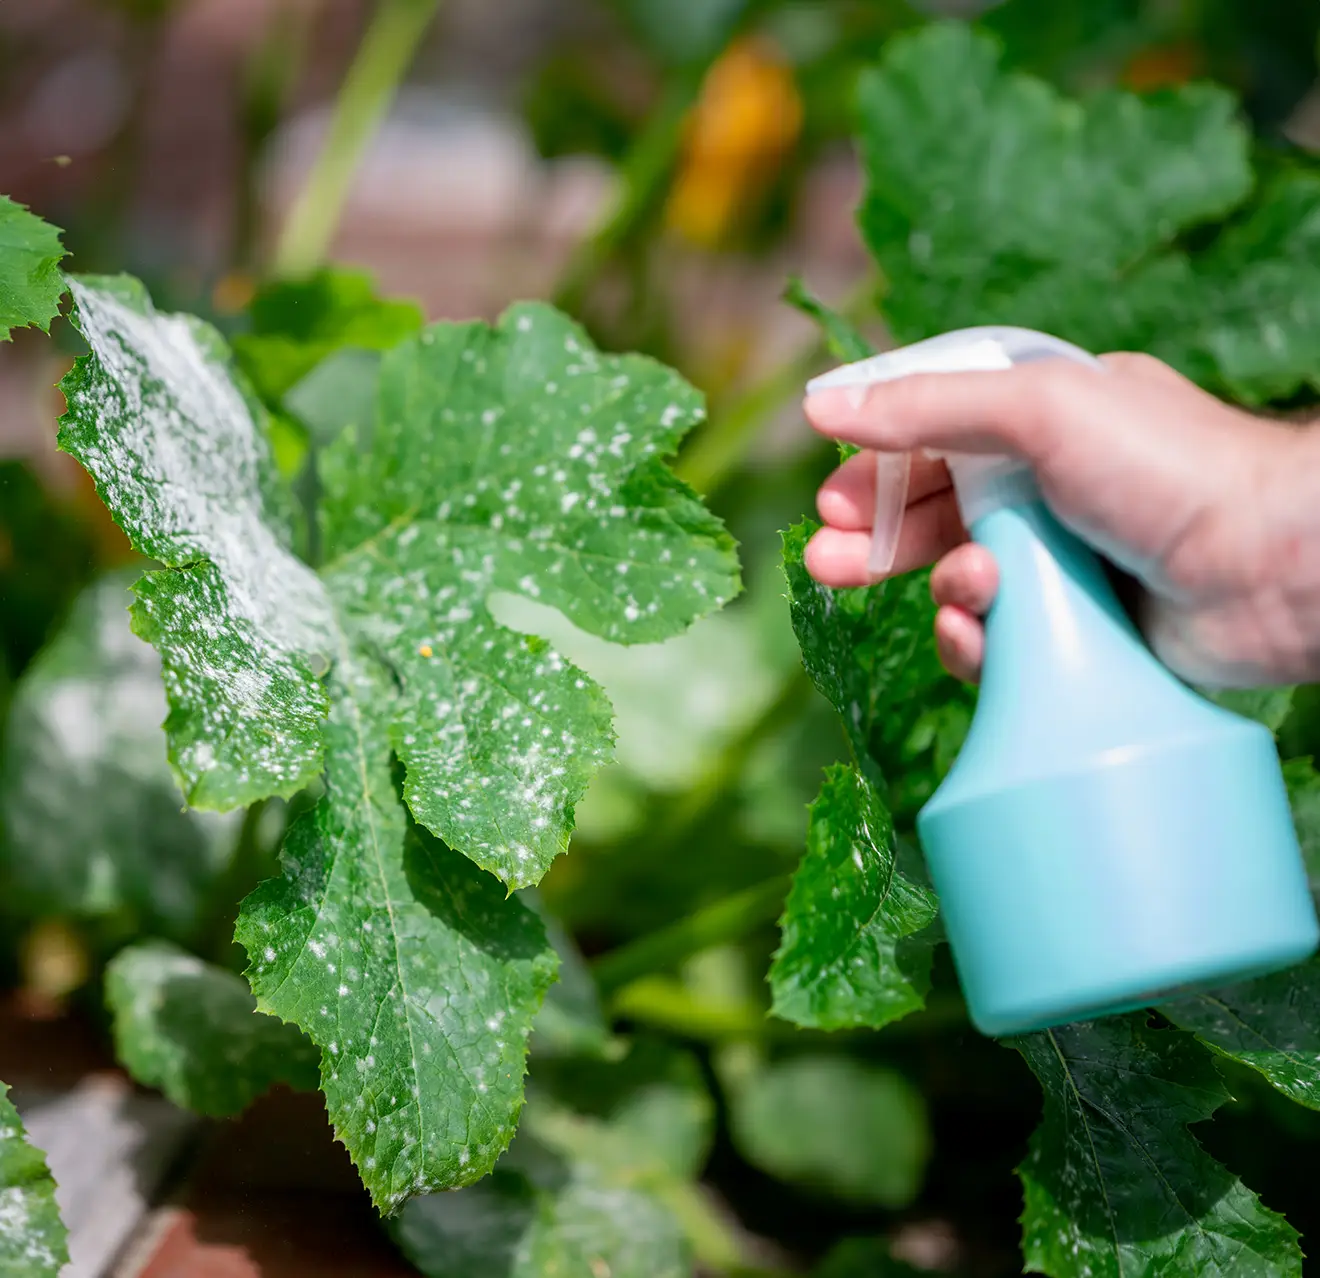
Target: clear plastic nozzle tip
(982, 483)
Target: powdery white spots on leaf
(96, 825)
(179, 456)
(395, 954)
(514, 458)
(192, 1030)
(33, 1240)
(509, 458)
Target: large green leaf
(33, 1240)
(834, 1125)
(192, 1029)
(404, 963)
(850, 955)
(30, 281)
(180, 458)
(96, 826)
(513, 458)
(991, 198)
(1116, 1186)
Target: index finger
(1017, 410)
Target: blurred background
(660, 168)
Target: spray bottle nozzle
(981, 483)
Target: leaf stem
(717, 780)
(642, 182)
(718, 451)
(365, 97)
(729, 919)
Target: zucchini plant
(381, 771)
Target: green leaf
(841, 335)
(1303, 782)
(295, 324)
(1115, 1184)
(514, 459)
(1269, 706)
(834, 1125)
(872, 653)
(33, 1240)
(30, 281)
(538, 1217)
(96, 826)
(1271, 1025)
(192, 1030)
(985, 187)
(405, 964)
(1254, 317)
(510, 458)
(647, 1118)
(180, 458)
(992, 199)
(598, 1181)
(863, 1258)
(850, 953)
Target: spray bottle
(1107, 839)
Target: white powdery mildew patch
(21, 1239)
(410, 969)
(175, 450)
(32, 1239)
(516, 459)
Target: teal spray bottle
(1107, 839)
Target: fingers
(847, 498)
(1017, 410)
(963, 584)
(837, 556)
(967, 578)
(960, 642)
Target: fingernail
(835, 406)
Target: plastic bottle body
(1107, 838)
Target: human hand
(1214, 511)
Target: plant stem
(369, 88)
(718, 779)
(718, 451)
(642, 182)
(726, 920)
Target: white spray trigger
(985, 349)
